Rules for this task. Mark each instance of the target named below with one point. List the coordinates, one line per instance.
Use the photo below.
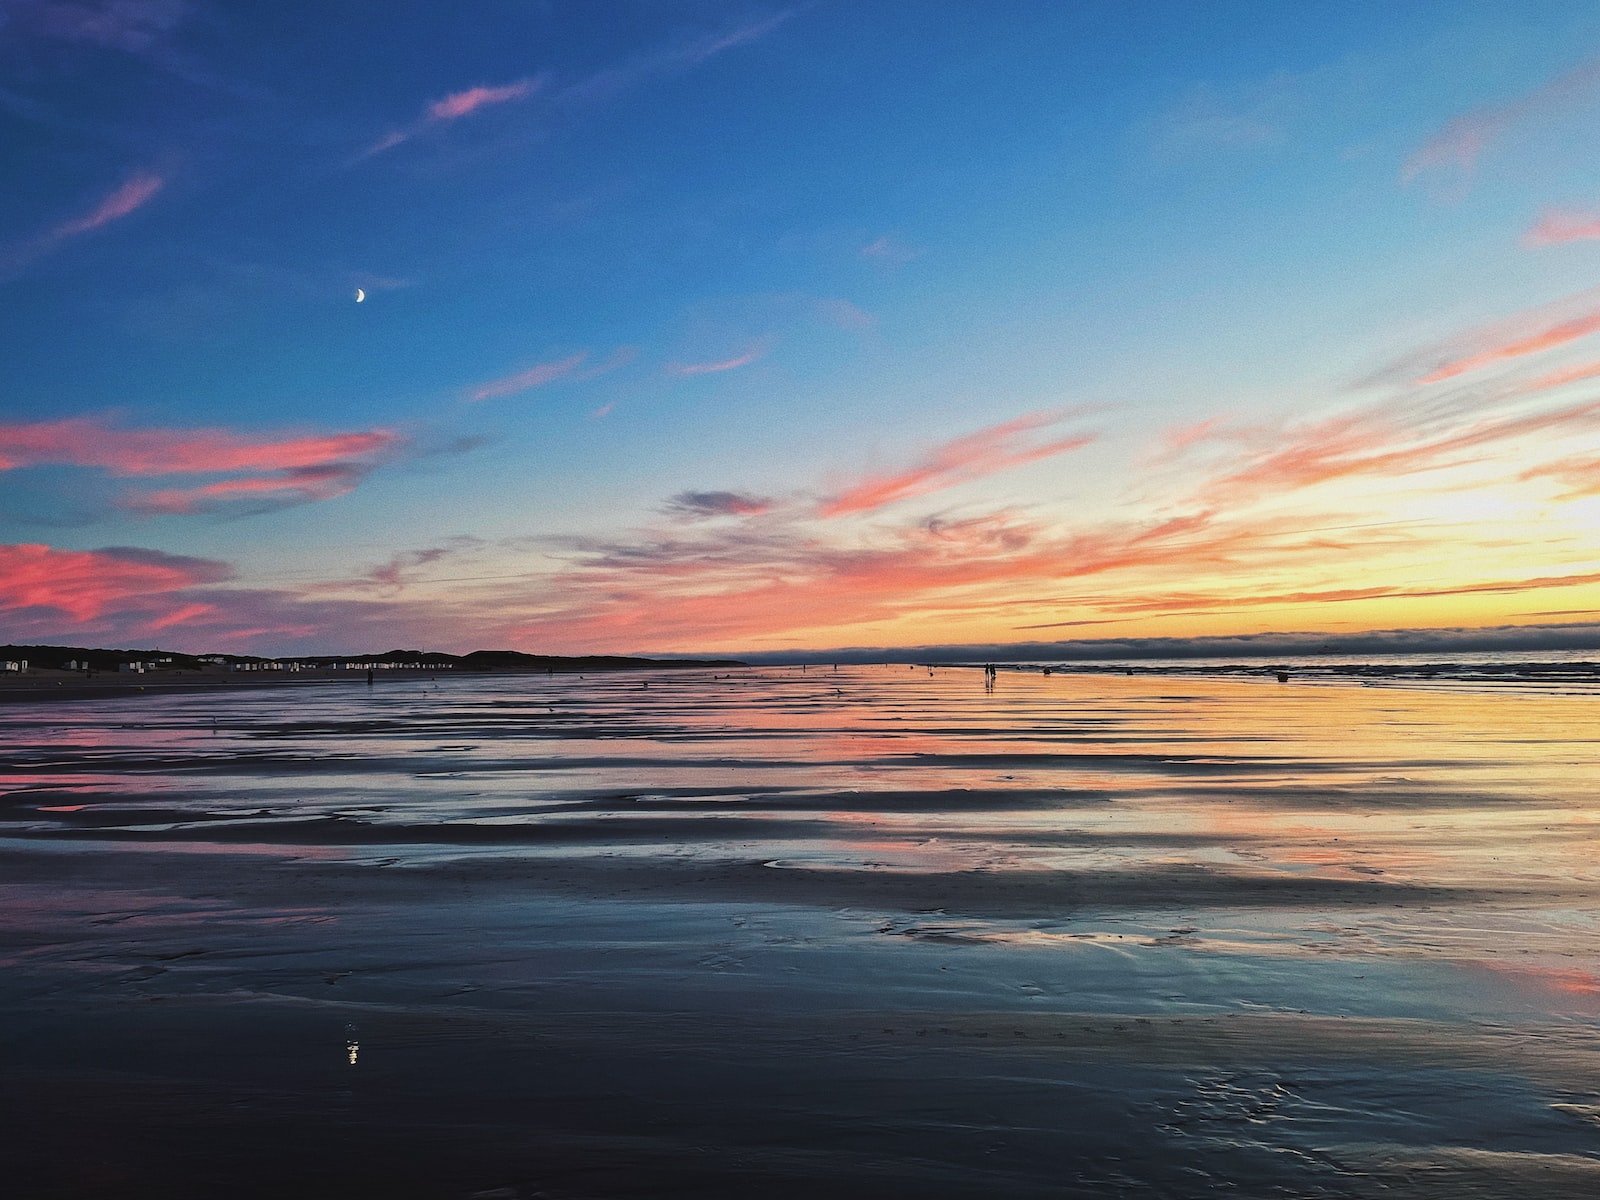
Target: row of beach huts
(18, 666)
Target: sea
(1137, 930)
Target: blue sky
(695, 326)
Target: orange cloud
(1558, 225)
(535, 376)
(986, 452)
(1545, 339)
(1580, 473)
(741, 583)
(1188, 602)
(1377, 442)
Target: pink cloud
(757, 351)
(1462, 141)
(124, 595)
(298, 485)
(85, 584)
(270, 471)
(986, 452)
(453, 108)
(128, 198)
(1557, 225)
(460, 104)
(535, 376)
(125, 200)
(183, 615)
(94, 442)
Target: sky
(691, 327)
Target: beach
(875, 930)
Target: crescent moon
(360, 295)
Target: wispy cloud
(1185, 602)
(890, 251)
(454, 107)
(757, 350)
(724, 583)
(699, 505)
(1457, 147)
(1210, 118)
(1521, 335)
(535, 376)
(127, 199)
(460, 104)
(1579, 474)
(1547, 338)
(844, 315)
(972, 456)
(677, 56)
(96, 442)
(294, 485)
(133, 26)
(402, 569)
(1382, 442)
(1556, 226)
(1561, 378)
(618, 358)
(267, 471)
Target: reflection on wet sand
(875, 930)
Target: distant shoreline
(50, 686)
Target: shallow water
(875, 930)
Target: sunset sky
(726, 327)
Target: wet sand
(875, 931)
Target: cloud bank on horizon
(748, 334)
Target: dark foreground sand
(867, 934)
